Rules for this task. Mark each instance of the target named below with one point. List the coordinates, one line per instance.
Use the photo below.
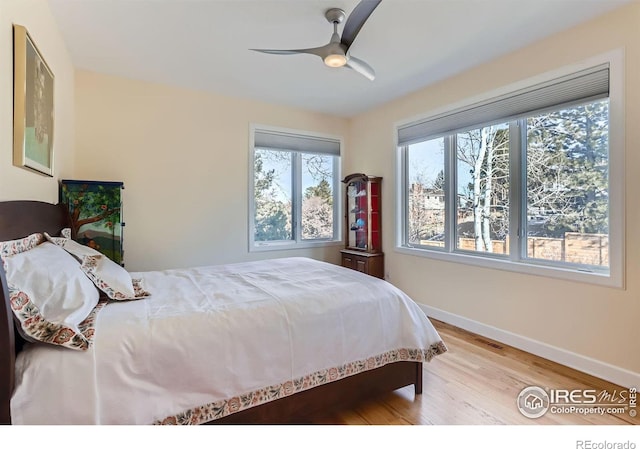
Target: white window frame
(615, 275)
(296, 241)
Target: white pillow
(107, 275)
(74, 248)
(12, 247)
(112, 279)
(51, 297)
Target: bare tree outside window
(317, 200)
(483, 188)
(277, 201)
(566, 196)
(426, 207)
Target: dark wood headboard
(19, 219)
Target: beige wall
(19, 183)
(183, 156)
(593, 322)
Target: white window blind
(275, 140)
(586, 85)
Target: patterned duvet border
(37, 328)
(222, 408)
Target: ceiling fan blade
(361, 67)
(319, 51)
(356, 19)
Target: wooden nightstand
(372, 264)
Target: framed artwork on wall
(32, 105)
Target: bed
(252, 342)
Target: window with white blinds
(295, 190)
(528, 180)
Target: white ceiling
(203, 44)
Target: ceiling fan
(336, 52)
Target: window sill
(604, 279)
(287, 246)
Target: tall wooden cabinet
(363, 224)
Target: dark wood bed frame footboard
(21, 218)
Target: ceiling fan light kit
(336, 52)
(336, 60)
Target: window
(425, 190)
(295, 190)
(522, 181)
(482, 189)
(567, 185)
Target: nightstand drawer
(371, 264)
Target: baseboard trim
(602, 370)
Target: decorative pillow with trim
(112, 279)
(66, 233)
(50, 296)
(13, 247)
(74, 248)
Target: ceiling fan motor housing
(335, 15)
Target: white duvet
(214, 340)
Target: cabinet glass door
(363, 226)
(358, 212)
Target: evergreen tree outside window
(567, 179)
(295, 189)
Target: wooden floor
(477, 382)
